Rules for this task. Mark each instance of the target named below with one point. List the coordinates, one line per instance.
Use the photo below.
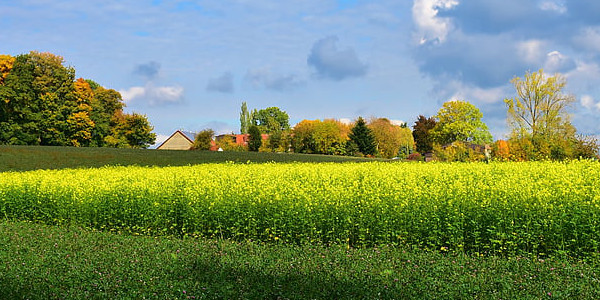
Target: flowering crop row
(495, 208)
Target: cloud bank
(332, 63)
(266, 78)
(221, 84)
(153, 95)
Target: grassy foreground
(25, 158)
(69, 262)
(50, 262)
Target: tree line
(379, 137)
(538, 119)
(540, 128)
(41, 103)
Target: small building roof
(186, 135)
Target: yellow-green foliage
(500, 208)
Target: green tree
(363, 137)
(38, 95)
(303, 141)
(422, 134)
(539, 114)
(203, 140)
(271, 119)
(245, 119)
(106, 104)
(275, 139)
(254, 138)
(136, 130)
(460, 121)
(42, 104)
(540, 106)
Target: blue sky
(190, 64)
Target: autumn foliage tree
(6, 63)
(390, 139)
(501, 150)
(41, 103)
(321, 137)
(539, 120)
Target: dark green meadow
(49, 262)
(25, 158)
(40, 261)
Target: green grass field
(40, 261)
(50, 262)
(24, 158)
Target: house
(240, 139)
(180, 140)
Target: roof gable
(188, 136)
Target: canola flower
(498, 208)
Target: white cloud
(531, 51)
(153, 95)
(430, 27)
(346, 121)
(397, 122)
(589, 38)
(476, 94)
(167, 93)
(132, 93)
(557, 7)
(558, 62)
(588, 102)
(584, 78)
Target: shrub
(203, 140)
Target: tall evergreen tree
(363, 137)
(255, 138)
(421, 133)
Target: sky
(190, 64)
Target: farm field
(24, 158)
(498, 208)
(302, 230)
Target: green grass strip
(64, 262)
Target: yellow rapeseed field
(537, 207)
